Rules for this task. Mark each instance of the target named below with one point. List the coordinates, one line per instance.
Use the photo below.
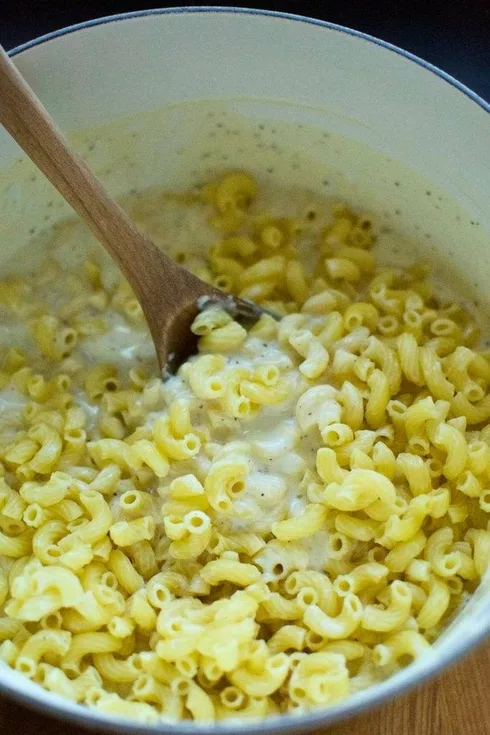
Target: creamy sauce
(278, 444)
(279, 448)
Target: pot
(169, 96)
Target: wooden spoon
(168, 294)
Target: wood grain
(457, 703)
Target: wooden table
(457, 703)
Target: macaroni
(291, 518)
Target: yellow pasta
(394, 615)
(265, 682)
(127, 533)
(401, 644)
(341, 626)
(291, 518)
(306, 524)
(320, 679)
(436, 604)
(52, 642)
(230, 570)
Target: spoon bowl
(170, 296)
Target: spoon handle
(157, 281)
(168, 294)
(29, 123)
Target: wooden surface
(457, 703)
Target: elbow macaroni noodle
(291, 518)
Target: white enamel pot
(290, 98)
